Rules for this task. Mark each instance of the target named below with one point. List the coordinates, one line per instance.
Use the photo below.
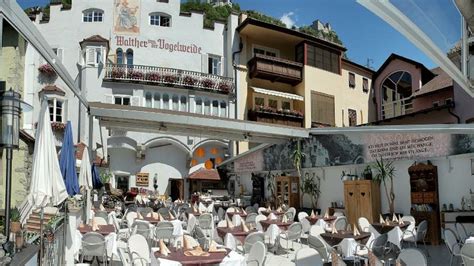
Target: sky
(368, 39)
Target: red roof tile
(441, 81)
(205, 174)
(53, 89)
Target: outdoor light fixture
(11, 109)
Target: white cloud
(288, 19)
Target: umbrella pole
(41, 236)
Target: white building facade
(143, 53)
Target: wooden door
(295, 192)
(351, 201)
(365, 200)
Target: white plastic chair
(308, 257)
(259, 218)
(467, 254)
(412, 257)
(411, 226)
(341, 223)
(93, 244)
(363, 224)
(251, 239)
(131, 216)
(462, 232)
(324, 250)
(221, 214)
(293, 211)
(316, 230)
(306, 227)
(191, 224)
(261, 209)
(230, 242)
(302, 215)
(451, 241)
(257, 254)
(138, 250)
(290, 236)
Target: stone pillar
(74, 219)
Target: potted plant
(271, 188)
(15, 217)
(47, 70)
(310, 186)
(385, 174)
(367, 173)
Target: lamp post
(11, 108)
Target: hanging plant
(47, 70)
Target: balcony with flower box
(275, 69)
(285, 117)
(169, 77)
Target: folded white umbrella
(85, 176)
(47, 184)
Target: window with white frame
(121, 99)
(119, 54)
(183, 103)
(198, 106)
(215, 108)
(175, 100)
(160, 19)
(207, 107)
(258, 49)
(92, 15)
(56, 110)
(214, 65)
(166, 101)
(94, 55)
(59, 53)
(273, 102)
(148, 100)
(156, 100)
(223, 111)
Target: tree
(385, 173)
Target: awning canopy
(142, 119)
(205, 174)
(279, 94)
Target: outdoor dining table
(241, 214)
(314, 220)
(277, 213)
(103, 229)
(236, 231)
(153, 220)
(214, 258)
(336, 239)
(383, 228)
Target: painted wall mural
(331, 150)
(126, 17)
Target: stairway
(34, 221)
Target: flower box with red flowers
(170, 78)
(190, 81)
(208, 83)
(153, 76)
(224, 87)
(46, 69)
(135, 74)
(118, 73)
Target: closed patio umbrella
(85, 180)
(96, 183)
(67, 162)
(47, 185)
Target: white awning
(279, 94)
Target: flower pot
(19, 241)
(15, 227)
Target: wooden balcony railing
(397, 108)
(275, 69)
(281, 118)
(169, 77)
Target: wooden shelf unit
(288, 190)
(425, 198)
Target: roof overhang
(402, 23)
(230, 160)
(12, 12)
(281, 94)
(441, 128)
(142, 119)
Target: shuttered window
(322, 109)
(365, 85)
(352, 80)
(323, 58)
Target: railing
(397, 108)
(294, 119)
(275, 69)
(170, 77)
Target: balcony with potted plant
(271, 115)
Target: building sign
(162, 44)
(330, 150)
(142, 180)
(127, 17)
(251, 163)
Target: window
(273, 103)
(207, 107)
(94, 56)
(122, 100)
(215, 108)
(257, 49)
(352, 117)
(365, 85)
(223, 111)
(160, 19)
(214, 65)
(198, 106)
(148, 102)
(285, 105)
(59, 53)
(92, 15)
(182, 103)
(352, 80)
(157, 100)
(322, 109)
(396, 95)
(259, 101)
(166, 101)
(119, 53)
(323, 58)
(175, 102)
(55, 110)
(129, 57)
